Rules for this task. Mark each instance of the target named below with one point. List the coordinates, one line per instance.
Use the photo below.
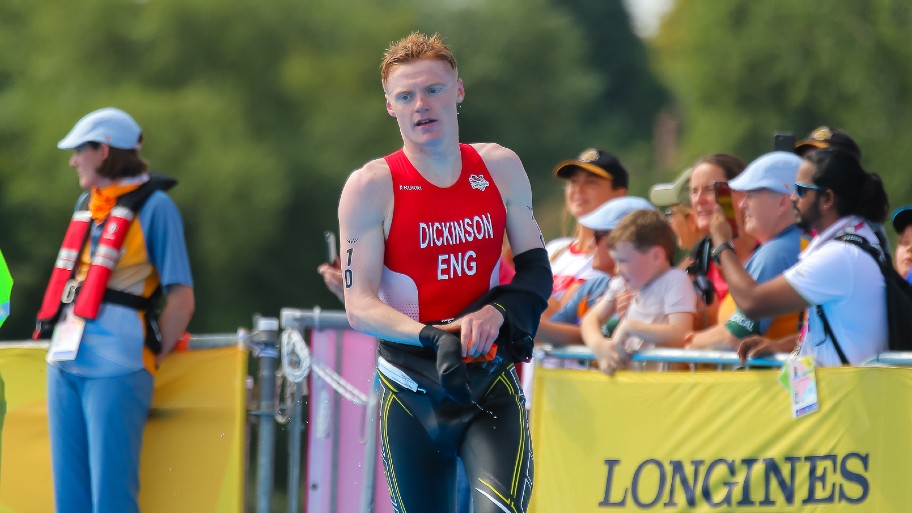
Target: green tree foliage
(260, 110)
(630, 95)
(743, 70)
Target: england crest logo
(478, 182)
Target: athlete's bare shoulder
(374, 174)
(497, 157)
(369, 190)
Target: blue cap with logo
(110, 126)
(775, 171)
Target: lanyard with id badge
(68, 331)
(798, 376)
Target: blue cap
(607, 216)
(110, 126)
(775, 171)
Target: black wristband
(500, 308)
(720, 248)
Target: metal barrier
(693, 358)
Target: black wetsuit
(429, 431)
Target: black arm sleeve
(522, 302)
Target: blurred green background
(262, 109)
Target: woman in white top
(592, 179)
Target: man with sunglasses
(838, 284)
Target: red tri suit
(444, 244)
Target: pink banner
(338, 434)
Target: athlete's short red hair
(413, 47)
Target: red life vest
(91, 292)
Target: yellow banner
(193, 445)
(720, 442)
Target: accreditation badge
(798, 377)
(66, 337)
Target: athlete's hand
(478, 330)
(454, 377)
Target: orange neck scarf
(103, 200)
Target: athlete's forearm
(374, 317)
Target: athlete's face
(86, 160)
(423, 96)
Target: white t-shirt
(672, 292)
(850, 286)
(568, 266)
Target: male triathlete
(422, 231)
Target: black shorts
(423, 432)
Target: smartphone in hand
(724, 199)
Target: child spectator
(563, 327)
(662, 309)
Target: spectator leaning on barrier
(563, 327)
(673, 199)
(833, 195)
(902, 257)
(662, 309)
(769, 218)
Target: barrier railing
(693, 358)
(721, 359)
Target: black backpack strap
(866, 246)
(829, 333)
(878, 257)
